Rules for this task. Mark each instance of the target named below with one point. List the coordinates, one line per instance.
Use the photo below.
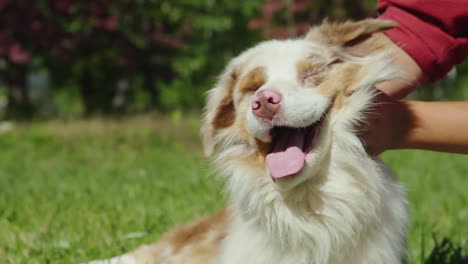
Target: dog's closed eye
(314, 74)
(313, 77)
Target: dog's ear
(347, 43)
(207, 133)
(347, 34)
(219, 110)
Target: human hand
(390, 119)
(412, 74)
(386, 125)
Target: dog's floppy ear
(207, 132)
(348, 33)
(219, 110)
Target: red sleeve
(433, 32)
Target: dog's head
(275, 108)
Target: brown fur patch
(197, 243)
(368, 46)
(345, 78)
(255, 161)
(262, 147)
(311, 71)
(184, 236)
(225, 114)
(349, 33)
(253, 80)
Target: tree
(160, 47)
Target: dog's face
(271, 108)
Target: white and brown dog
(301, 187)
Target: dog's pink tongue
(287, 157)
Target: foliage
(446, 252)
(453, 87)
(291, 18)
(125, 56)
(111, 49)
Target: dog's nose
(266, 103)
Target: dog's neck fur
(302, 219)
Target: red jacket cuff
(435, 51)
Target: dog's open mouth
(289, 148)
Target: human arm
(438, 126)
(432, 38)
(395, 124)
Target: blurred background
(99, 121)
(66, 59)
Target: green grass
(71, 192)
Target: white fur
(300, 107)
(124, 259)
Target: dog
(281, 122)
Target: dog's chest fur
(353, 213)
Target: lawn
(87, 189)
